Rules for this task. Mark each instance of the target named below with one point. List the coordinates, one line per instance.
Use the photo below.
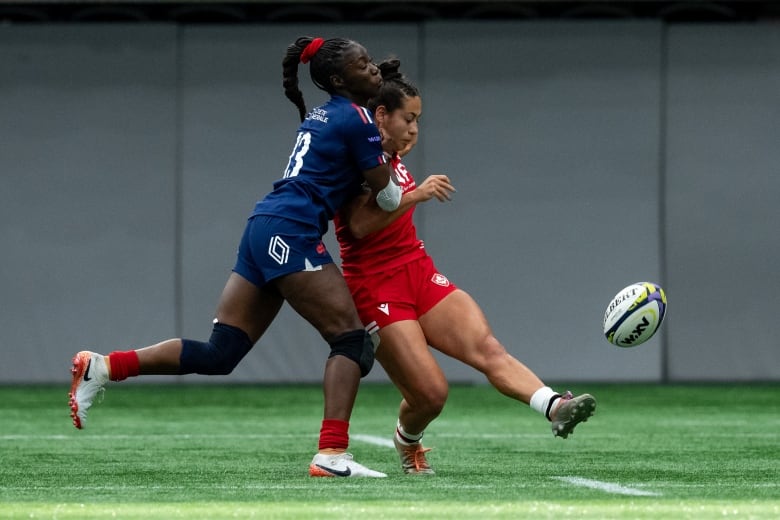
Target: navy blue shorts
(272, 247)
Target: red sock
(123, 365)
(333, 434)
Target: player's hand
(438, 186)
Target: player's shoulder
(348, 112)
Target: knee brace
(225, 349)
(357, 346)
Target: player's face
(401, 126)
(360, 79)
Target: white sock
(543, 399)
(405, 437)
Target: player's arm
(364, 216)
(384, 187)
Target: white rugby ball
(634, 314)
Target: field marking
(373, 439)
(122, 436)
(76, 435)
(310, 482)
(607, 487)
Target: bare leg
(340, 387)
(457, 327)
(323, 299)
(162, 358)
(242, 305)
(404, 354)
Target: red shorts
(404, 293)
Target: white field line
(210, 486)
(497, 436)
(373, 439)
(370, 439)
(114, 437)
(607, 487)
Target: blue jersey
(335, 144)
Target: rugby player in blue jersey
(281, 256)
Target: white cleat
(90, 374)
(339, 465)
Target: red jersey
(386, 248)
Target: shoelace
(418, 457)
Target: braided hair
(327, 60)
(395, 87)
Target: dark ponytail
(290, 74)
(395, 87)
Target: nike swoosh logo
(86, 372)
(347, 472)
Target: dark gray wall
(550, 132)
(587, 155)
(88, 139)
(722, 218)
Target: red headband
(311, 49)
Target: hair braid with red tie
(325, 58)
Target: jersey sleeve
(362, 137)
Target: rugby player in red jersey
(407, 304)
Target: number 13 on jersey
(295, 162)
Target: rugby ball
(634, 314)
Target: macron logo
(385, 308)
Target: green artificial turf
(214, 451)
